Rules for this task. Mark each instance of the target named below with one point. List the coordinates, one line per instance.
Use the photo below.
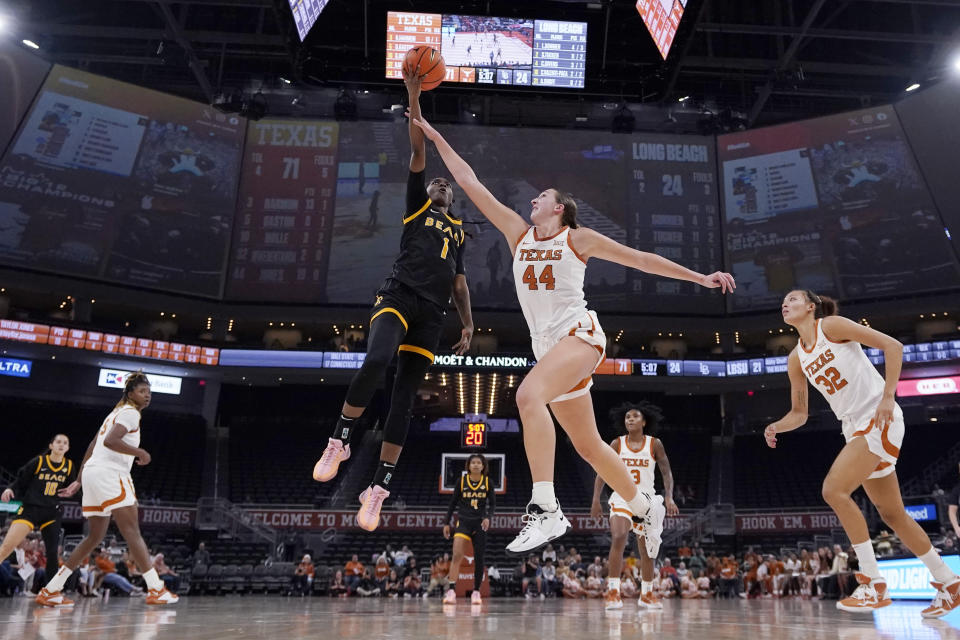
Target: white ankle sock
(938, 568)
(544, 497)
(646, 587)
(639, 505)
(613, 583)
(56, 583)
(154, 583)
(867, 559)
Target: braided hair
(133, 381)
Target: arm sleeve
(417, 197)
(22, 481)
(491, 500)
(454, 499)
(129, 418)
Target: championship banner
(786, 522)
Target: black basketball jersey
(39, 480)
(472, 500)
(431, 247)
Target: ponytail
(825, 306)
(569, 216)
(133, 381)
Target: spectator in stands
(596, 566)
(595, 587)
(729, 578)
(171, 579)
(684, 552)
(87, 577)
(338, 588)
(114, 550)
(352, 573)
(438, 573)
(389, 554)
(393, 584)
(572, 587)
(789, 580)
(703, 585)
(201, 555)
(884, 543)
(530, 570)
(688, 587)
(549, 553)
(809, 566)
(548, 573)
(664, 587)
(632, 564)
(367, 587)
(697, 561)
(411, 568)
(411, 581)
(302, 576)
(576, 562)
(669, 571)
(682, 571)
(109, 577)
(381, 572)
(400, 557)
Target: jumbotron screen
(662, 18)
(495, 51)
(305, 14)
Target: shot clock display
(473, 435)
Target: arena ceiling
(748, 62)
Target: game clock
(473, 435)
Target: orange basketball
(432, 68)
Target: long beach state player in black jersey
(475, 501)
(406, 320)
(39, 485)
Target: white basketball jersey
(548, 275)
(103, 457)
(844, 375)
(639, 462)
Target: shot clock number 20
(473, 435)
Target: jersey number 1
(446, 248)
(546, 278)
(831, 380)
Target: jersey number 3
(546, 278)
(831, 380)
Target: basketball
(432, 67)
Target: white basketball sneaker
(540, 528)
(653, 526)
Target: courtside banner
(150, 515)
(417, 520)
(786, 522)
(909, 579)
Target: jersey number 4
(546, 278)
(831, 380)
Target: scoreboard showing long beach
(492, 50)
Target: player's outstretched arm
(797, 416)
(418, 147)
(663, 463)
(591, 244)
(511, 225)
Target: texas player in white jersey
(549, 262)
(108, 493)
(829, 355)
(640, 453)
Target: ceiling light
(913, 87)
(684, 99)
(31, 44)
